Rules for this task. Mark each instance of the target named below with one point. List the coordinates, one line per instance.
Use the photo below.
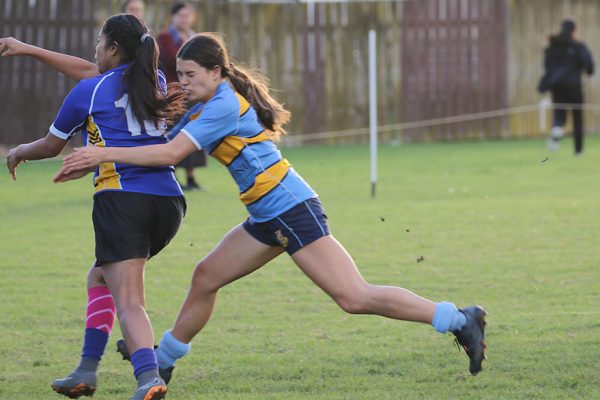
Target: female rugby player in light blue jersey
(237, 122)
(137, 209)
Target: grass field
(497, 223)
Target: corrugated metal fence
(436, 58)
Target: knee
(95, 278)
(353, 302)
(202, 281)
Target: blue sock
(170, 350)
(447, 318)
(94, 343)
(143, 360)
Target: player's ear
(113, 49)
(216, 72)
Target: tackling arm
(155, 155)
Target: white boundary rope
(296, 139)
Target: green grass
(496, 225)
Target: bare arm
(155, 155)
(46, 147)
(73, 67)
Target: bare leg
(237, 255)
(327, 263)
(125, 279)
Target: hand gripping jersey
(99, 107)
(228, 128)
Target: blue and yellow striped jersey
(99, 107)
(229, 129)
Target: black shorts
(134, 225)
(294, 229)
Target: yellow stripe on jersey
(231, 146)
(94, 136)
(195, 115)
(265, 182)
(107, 178)
(244, 105)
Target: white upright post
(373, 108)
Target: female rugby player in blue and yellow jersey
(137, 209)
(237, 122)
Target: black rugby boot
(471, 336)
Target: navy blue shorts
(134, 225)
(294, 229)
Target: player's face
(104, 54)
(198, 83)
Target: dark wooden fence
(30, 93)
(454, 63)
(436, 58)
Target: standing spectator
(565, 59)
(169, 42)
(134, 7)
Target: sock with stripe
(100, 318)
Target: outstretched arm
(155, 155)
(46, 147)
(73, 67)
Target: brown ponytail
(209, 51)
(254, 87)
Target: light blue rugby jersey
(228, 128)
(99, 108)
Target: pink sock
(100, 311)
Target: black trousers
(570, 95)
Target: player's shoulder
(84, 89)
(93, 82)
(224, 101)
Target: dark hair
(177, 7)
(208, 50)
(141, 50)
(567, 27)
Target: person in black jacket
(565, 59)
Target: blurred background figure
(565, 60)
(169, 42)
(134, 7)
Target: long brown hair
(208, 50)
(141, 50)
